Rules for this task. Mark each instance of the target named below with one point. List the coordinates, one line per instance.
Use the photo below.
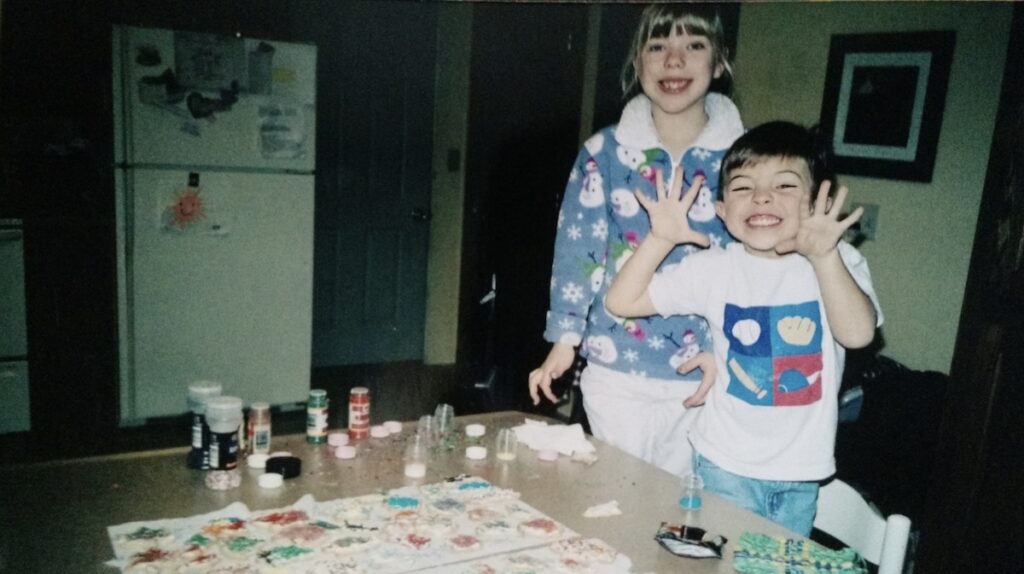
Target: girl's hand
(559, 360)
(820, 228)
(668, 211)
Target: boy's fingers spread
(642, 198)
(821, 201)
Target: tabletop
(54, 516)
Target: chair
(846, 516)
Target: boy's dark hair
(781, 139)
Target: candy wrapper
(690, 541)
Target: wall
(920, 257)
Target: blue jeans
(789, 503)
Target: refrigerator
(214, 182)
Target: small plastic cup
(692, 487)
(444, 415)
(506, 444)
(417, 454)
(426, 428)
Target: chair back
(845, 515)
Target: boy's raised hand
(820, 228)
(668, 211)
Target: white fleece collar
(636, 126)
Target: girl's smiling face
(761, 205)
(676, 71)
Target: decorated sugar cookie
(585, 550)
(304, 533)
(221, 528)
(495, 529)
(141, 539)
(280, 555)
(152, 560)
(539, 527)
(241, 548)
(278, 520)
(352, 544)
(464, 542)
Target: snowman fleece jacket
(601, 223)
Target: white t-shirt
(772, 412)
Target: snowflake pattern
(599, 229)
(701, 153)
(716, 166)
(574, 175)
(631, 355)
(566, 324)
(575, 232)
(656, 343)
(716, 241)
(572, 292)
(561, 218)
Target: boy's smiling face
(762, 201)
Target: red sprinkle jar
(359, 413)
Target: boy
(782, 302)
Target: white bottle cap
(257, 460)
(475, 430)
(379, 431)
(345, 452)
(270, 480)
(337, 438)
(476, 452)
(547, 455)
(394, 427)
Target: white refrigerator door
(162, 79)
(226, 297)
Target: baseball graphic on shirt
(624, 203)
(592, 192)
(747, 331)
(703, 208)
(602, 348)
(630, 157)
(797, 331)
(594, 144)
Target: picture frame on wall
(883, 102)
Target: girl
(632, 393)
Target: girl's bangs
(661, 25)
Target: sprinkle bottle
(359, 413)
(224, 417)
(316, 417)
(259, 428)
(198, 393)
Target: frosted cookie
(282, 555)
(304, 533)
(402, 502)
(448, 505)
(539, 527)
(198, 560)
(484, 514)
(415, 540)
(352, 544)
(241, 547)
(573, 566)
(277, 520)
(464, 542)
(585, 550)
(495, 529)
(336, 566)
(141, 539)
(152, 560)
(221, 528)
